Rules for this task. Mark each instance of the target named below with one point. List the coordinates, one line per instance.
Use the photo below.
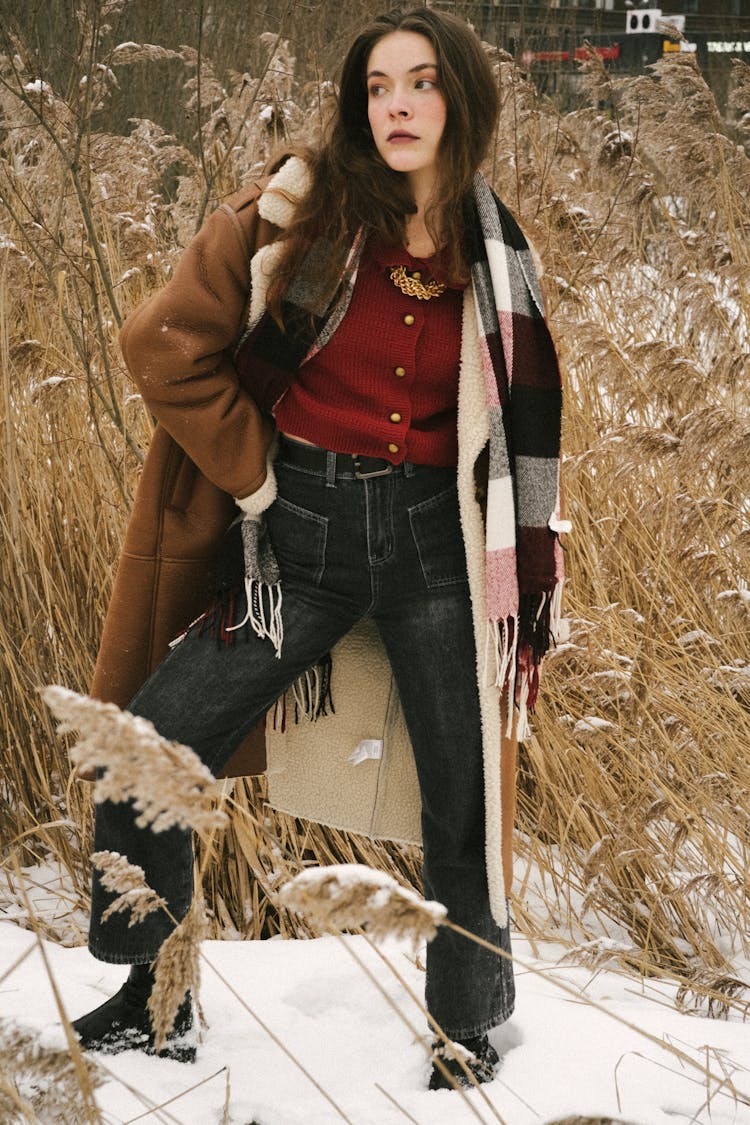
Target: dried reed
(634, 787)
(128, 881)
(40, 1083)
(177, 971)
(167, 782)
(343, 896)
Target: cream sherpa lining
(284, 191)
(276, 205)
(473, 434)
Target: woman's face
(405, 106)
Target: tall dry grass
(633, 817)
(635, 786)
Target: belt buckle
(375, 473)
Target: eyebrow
(412, 70)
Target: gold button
(392, 448)
(395, 417)
(417, 275)
(408, 320)
(399, 371)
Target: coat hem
(341, 827)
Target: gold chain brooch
(414, 286)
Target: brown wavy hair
(351, 183)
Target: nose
(400, 105)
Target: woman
(391, 332)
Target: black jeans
(387, 547)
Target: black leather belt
(315, 459)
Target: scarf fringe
(278, 719)
(312, 691)
(217, 620)
(263, 615)
(555, 615)
(265, 620)
(521, 711)
(518, 645)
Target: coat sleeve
(177, 347)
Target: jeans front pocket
(298, 537)
(436, 528)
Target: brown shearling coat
(210, 444)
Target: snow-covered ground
(562, 1056)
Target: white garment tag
(368, 748)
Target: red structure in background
(528, 58)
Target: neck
(422, 184)
(419, 241)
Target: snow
(134, 272)
(695, 636)
(591, 723)
(51, 898)
(51, 381)
(38, 87)
(738, 592)
(562, 1054)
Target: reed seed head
(177, 971)
(350, 896)
(167, 782)
(128, 882)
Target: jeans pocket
(298, 537)
(436, 528)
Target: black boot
(122, 1023)
(481, 1062)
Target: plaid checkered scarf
(523, 395)
(524, 570)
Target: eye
(425, 84)
(375, 89)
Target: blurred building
(546, 37)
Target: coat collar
(284, 191)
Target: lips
(401, 135)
